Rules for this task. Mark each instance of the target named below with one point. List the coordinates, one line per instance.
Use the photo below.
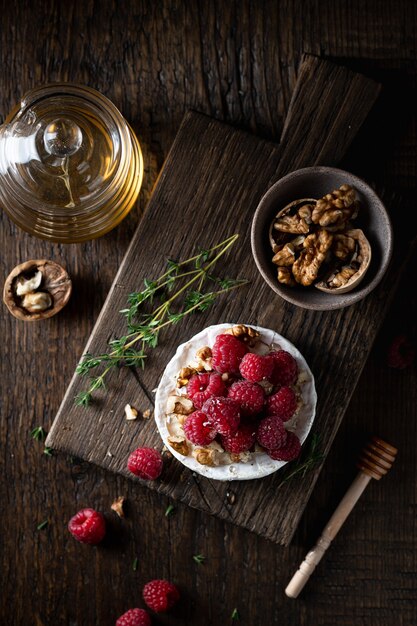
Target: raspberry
(146, 463)
(223, 413)
(241, 441)
(160, 595)
(227, 354)
(285, 370)
(289, 451)
(283, 403)
(249, 396)
(271, 433)
(201, 387)
(134, 617)
(401, 353)
(255, 368)
(87, 526)
(198, 429)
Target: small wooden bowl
(315, 182)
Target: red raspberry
(285, 370)
(401, 353)
(289, 451)
(271, 433)
(160, 595)
(223, 413)
(146, 463)
(241, 441)
(227, 354)
(283, 403)
(201, 387)
(87, 526)
(198, 429)
(134, 617)
(249, 396)
(255, 367)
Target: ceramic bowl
(315, 182)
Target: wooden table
(237, 62)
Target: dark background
(236, 61)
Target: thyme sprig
(170, 307)
(312, 457)
(199, 558)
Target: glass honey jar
(71, 167)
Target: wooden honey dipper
(375, 461)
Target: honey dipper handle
(315, 555)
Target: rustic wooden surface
(237, 62)
(208, 189)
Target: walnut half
(306, 268)
(36, 290)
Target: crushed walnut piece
(206, 456)
(179, 444)
(130, 412)
(244, 333)
(180, 405)
(117, 506)
(185, 375)
(203, 356)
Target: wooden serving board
(208, 189)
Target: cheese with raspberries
(211, 460)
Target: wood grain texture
(208, 189)
(238, 62)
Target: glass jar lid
(63, 152)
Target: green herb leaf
(38, 433)
(83, 398)
(199, 558)
(170, 509)
(312, 457)
(235, 615)
(42, 525)
(135, 564)
(48, 451)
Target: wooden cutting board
(208, 189)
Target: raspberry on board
(255, 367)
(201, 387)
(160, 595)
(249, 396)
(289, 451)
(227, 354)
(134, 617)
(223, 413)
(401, 353)
(271, 433)
(146, 463)
(198, 429)
(241, 441)
(285, 370)
(88, 526)
(283, 403)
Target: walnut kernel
(179, 444)
(36, 302)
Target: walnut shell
(361, 256)
(55, 282)
(276, 237)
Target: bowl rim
(348, 298)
